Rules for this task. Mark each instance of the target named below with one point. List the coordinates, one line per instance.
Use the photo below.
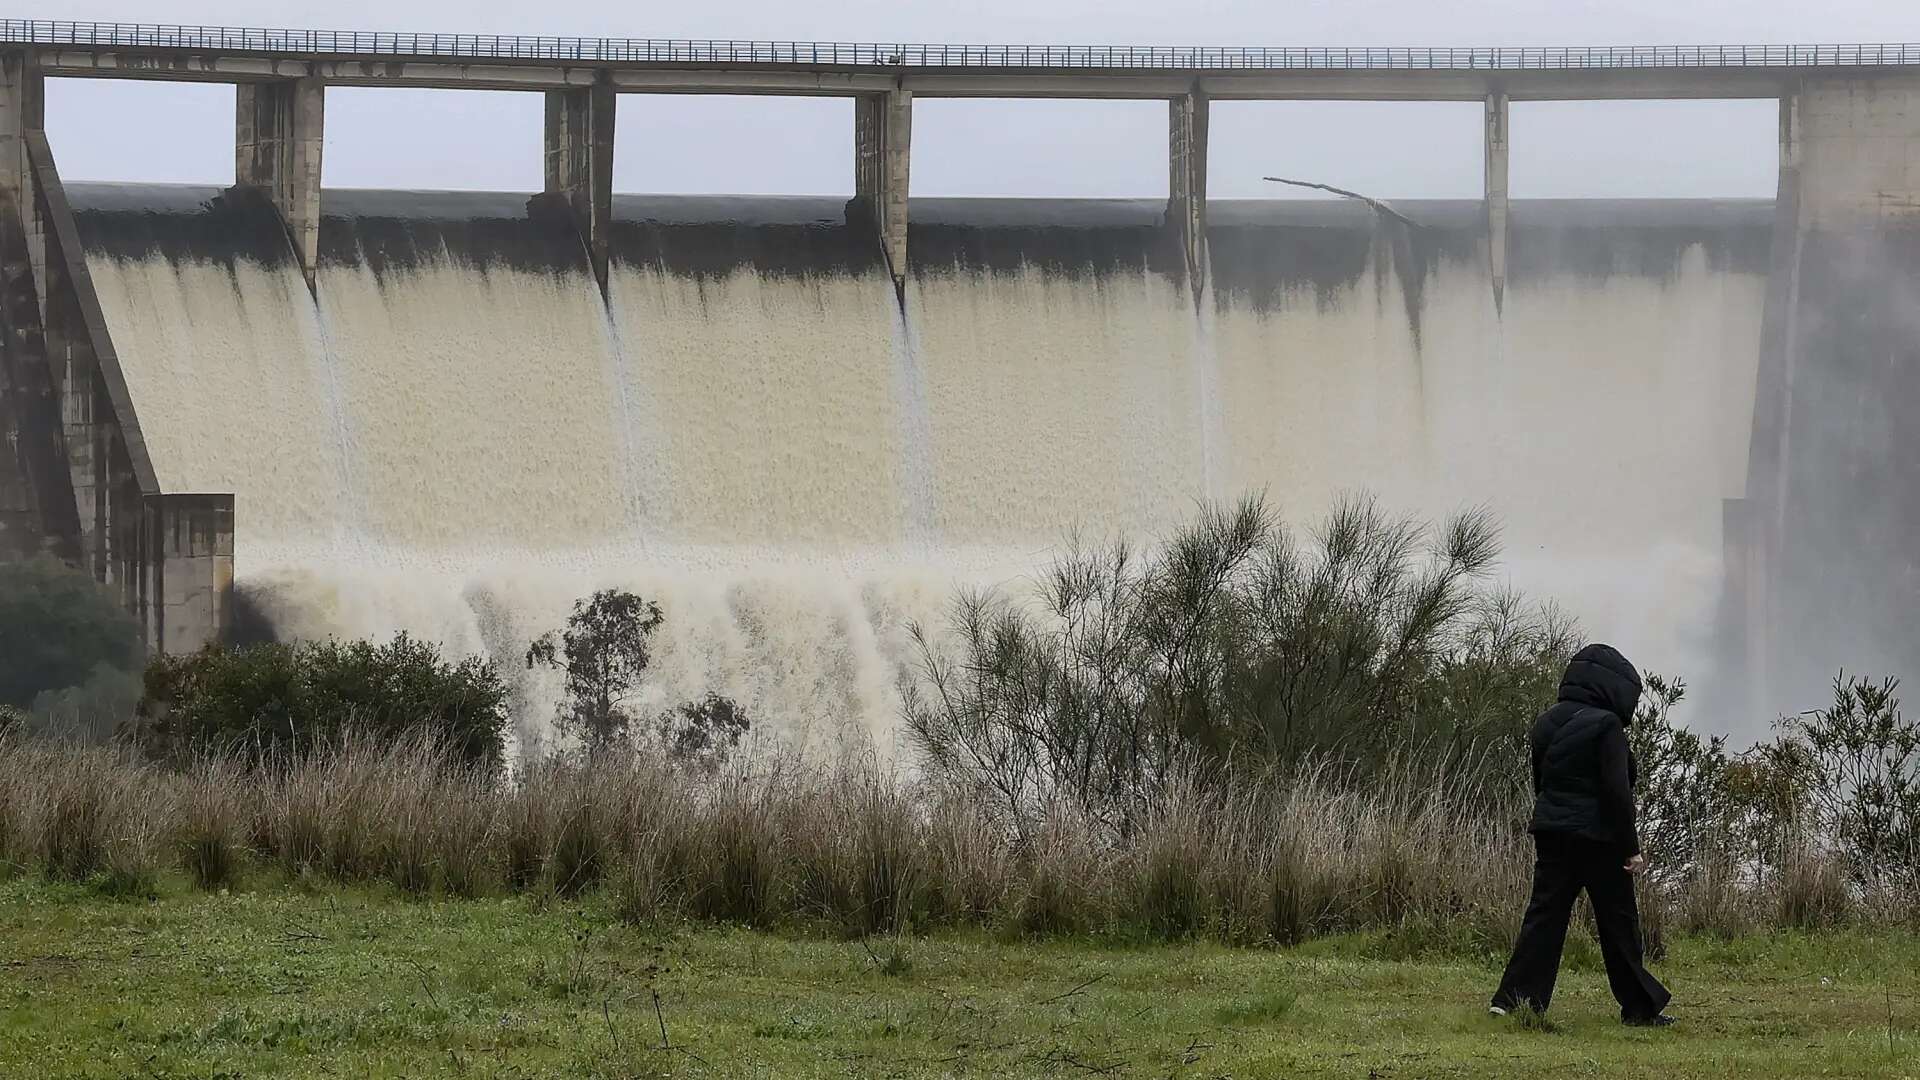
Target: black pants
(1565, 865)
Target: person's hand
(1636, 864)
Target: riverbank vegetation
(1246, 736)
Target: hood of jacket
(1601, 678)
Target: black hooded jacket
(1583, 773)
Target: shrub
(272, 699)
(1236, 642)
(1682, 792)
(1856, 764)
(56, 626)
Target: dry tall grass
(854, 847)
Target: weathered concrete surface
(37, 509)
(1187, 183)
(1498, 119)
(579, 163)
(186, 570)
(882, 150)
(77, 482)
(1857, 149)
(20, 97)
(1830, 574)
(279, 136)
(23, 111)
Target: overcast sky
(108, 130)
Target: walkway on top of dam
(644, 65)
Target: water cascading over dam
(451, 433)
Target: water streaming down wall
(454, 435)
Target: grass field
(333, 982)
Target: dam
(801, 423)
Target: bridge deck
(354, 58)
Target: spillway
(452, 433)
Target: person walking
(1585, 838)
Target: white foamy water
(797, 471)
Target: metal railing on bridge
(226, 39)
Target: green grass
(285, 981)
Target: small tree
(1858, 761)
(703, 732)
(604, 651)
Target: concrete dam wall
(451, 432)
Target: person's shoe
(1495, 1010)
(1657, 1020)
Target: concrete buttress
(1823, 537)
(579, 163)
(1187, 183)
(38, 512)
(76, 481)
(1499, 112)
(279, 133)
(883, 153)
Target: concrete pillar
(883, 153)
(1187, 183)
(22, 109)
(23, 104)
(1752, 534)
(1766, 448)
(20, 102)
(1498, 114)
(73, 326)
(37, 506)
(186, 570)
(579, 163)
(279, 133)
(75, 480)
(1828, 551)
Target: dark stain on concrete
(1264, 253)
(181, 223)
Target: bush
(1827, 811)
(274, 699)
(1237, 643)
(1683, 793)
(56, 626)
(1856, 765)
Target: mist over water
(454, 436)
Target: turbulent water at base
(452, 434)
